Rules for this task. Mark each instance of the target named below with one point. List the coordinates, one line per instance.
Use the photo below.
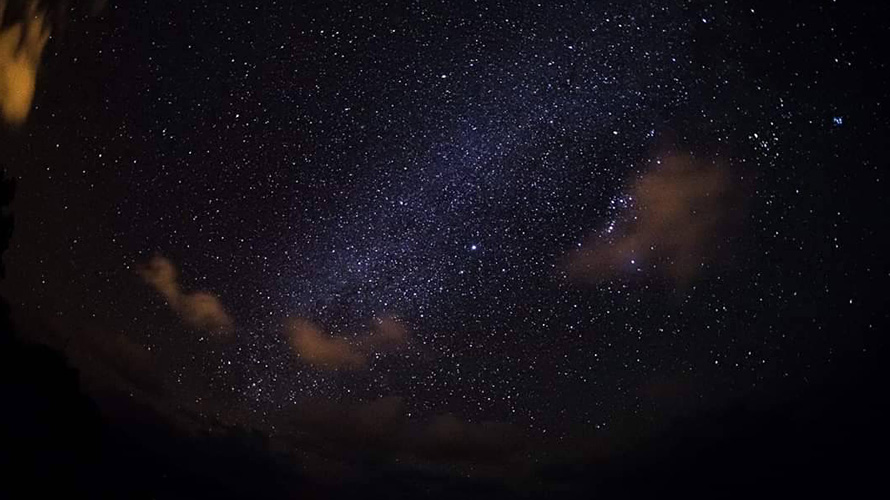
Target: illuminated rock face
(21, 45)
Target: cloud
(382, 428)
(448, 438)
(104, 358)
(204, 310)
(388, 333)
(679, 218)
(161, 275)
(198, 309)
(109, 358)
(321, 350)
(377, 422)
(21, 45)
(325, 352)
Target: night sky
(447, 230)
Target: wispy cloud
(321, 350)
(198, 309)
(326, 352)
(387, 333)
(383, 427)
(680, 212)
(21, 46)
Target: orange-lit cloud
(326, 352)
(198, 309)
(388, 333)
(321, 350)
(21, 45)
(681, 210)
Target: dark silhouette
(820, 441)
(56, 442)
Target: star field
(478, 173)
